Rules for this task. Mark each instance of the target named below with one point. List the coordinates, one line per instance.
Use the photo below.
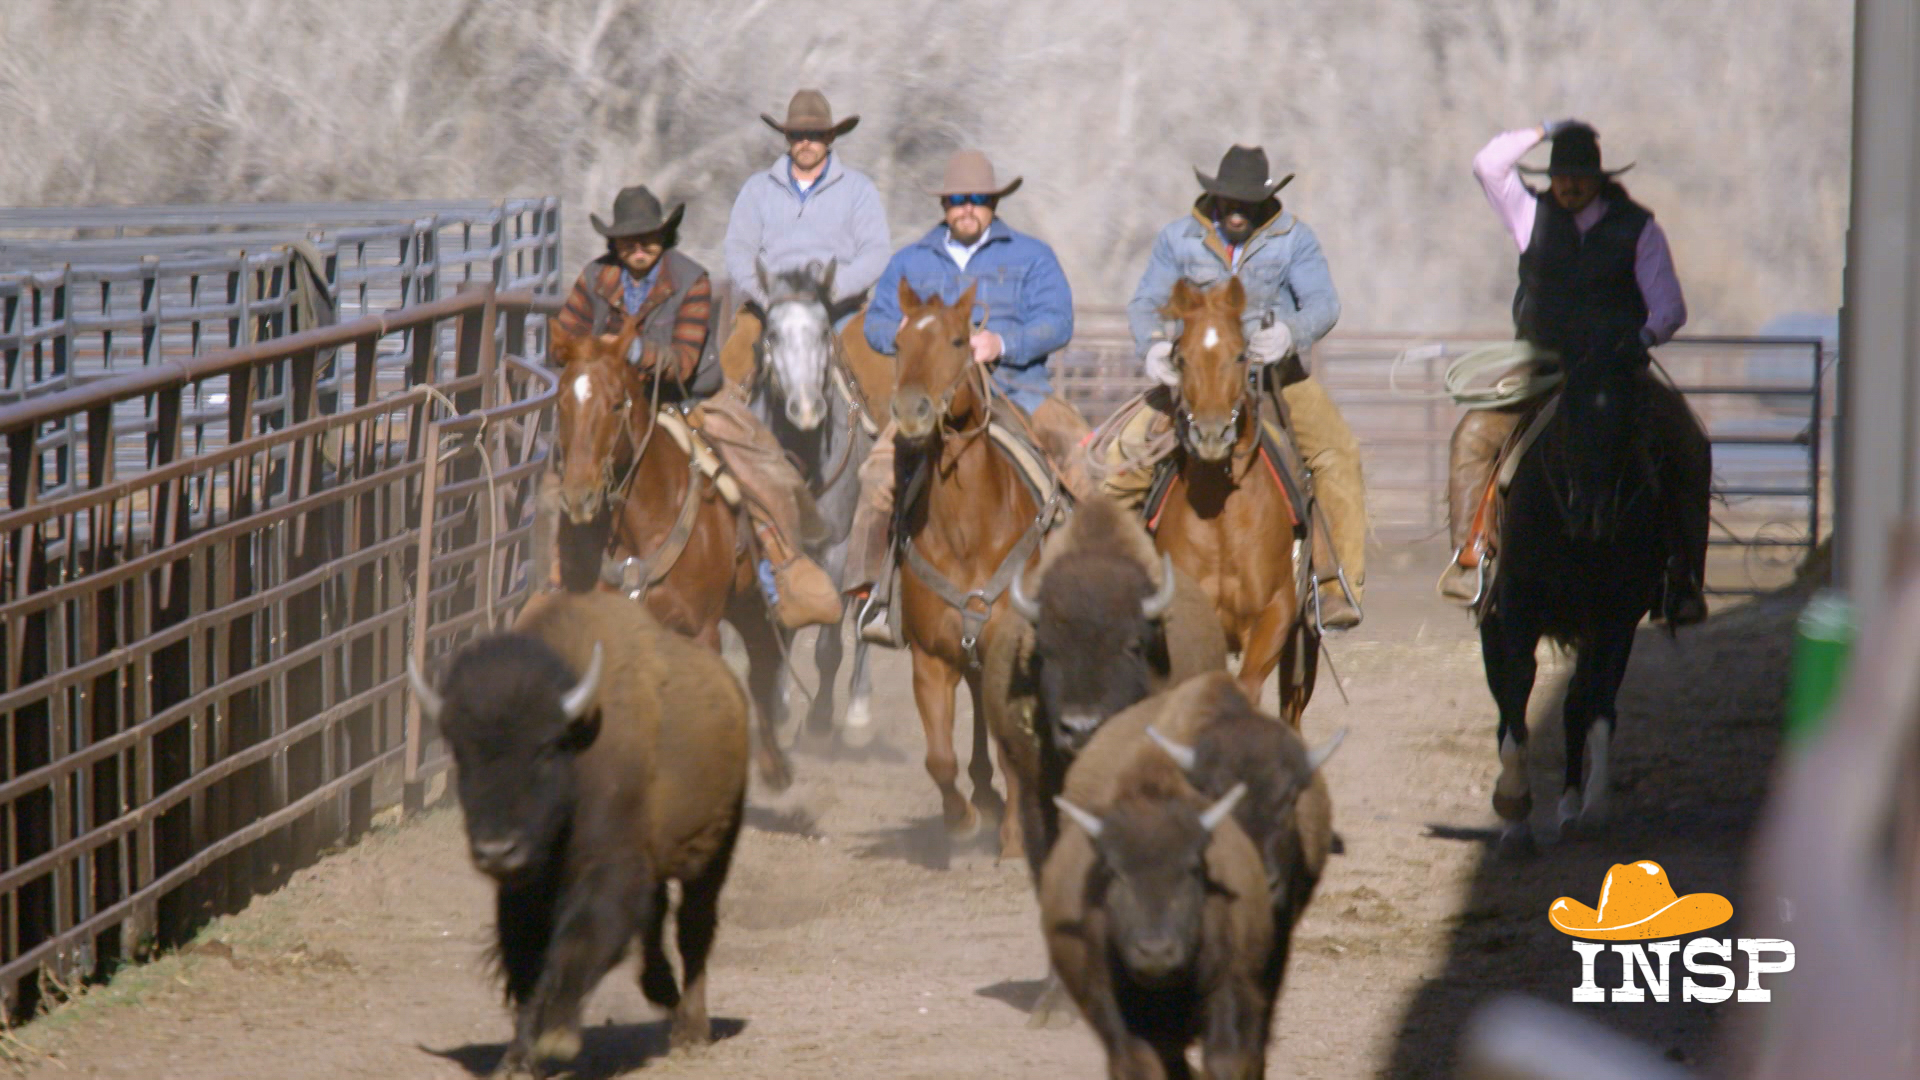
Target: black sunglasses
(820, 137)
(951, 201)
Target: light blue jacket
(841, 218)
(1281, 269)
(1022, 292)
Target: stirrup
(1479, 575)
(1346, 590)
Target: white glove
(1160, 364)
(1270, 343)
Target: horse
(815, 407)
(967, 524)
(638, 514)
(1581, 562)
(1225, 519)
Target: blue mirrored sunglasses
(951, 201)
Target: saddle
(1481, 549)
(695, 446)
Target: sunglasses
(951, 201)
(820, 137)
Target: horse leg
(764, 666)
(933, 683)
(858, 729)
(829, 648)
(1012, 840)
(1263, 645)
(1297, 670)
(980, 764)
(1597, 676)
(1506, 647)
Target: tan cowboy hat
(1243, 176)
(1638, 904)
(636, 213)
(970, 173)
(809, 111)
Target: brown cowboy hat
(636, 213)
(1637, 903)
(969, 172)
(1243, 176)
(809, 111)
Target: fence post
(414, 791)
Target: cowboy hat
(1576, 152)
(970, 173)
(1243, 176)
(1637, 904)
(809, 111)
(636, 213)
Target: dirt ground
(843, 953)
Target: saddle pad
(693, 445)
(1519, 447)
(1027, 461)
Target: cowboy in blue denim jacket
(1238, 228)
(1024, 311)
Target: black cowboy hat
(636, 213)
(1243, 177)
(1576, 152)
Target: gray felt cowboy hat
(636, 213)
(969, 172)
(1243, 176)
(809, 111)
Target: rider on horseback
(1595, 276)
(1027, 316)
(1238, 229)
(808, 208)
(643, 279)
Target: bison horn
(579, 699)
(1027, 606)
(1086, 821)
(430, 703)
(1182, 756)
(1218, 812)
(1318, 757)
(1156, 605)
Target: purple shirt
(1496, 167)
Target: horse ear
(965, 303)
(760, 273)
(564, 349)
(826, 278)
(1235, 297)
(1183, 300)
(909, 300)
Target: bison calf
(599, 756)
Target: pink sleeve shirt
(1496, 167)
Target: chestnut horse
(966, 523)
(637, 515)
(1225, 520)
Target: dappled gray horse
(806, 397)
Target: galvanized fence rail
(1765, 403)
(205, 658)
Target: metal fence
(1765, 403)
(205, 657)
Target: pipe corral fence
(219, 465)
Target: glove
(1270, 343)
(1160, 364)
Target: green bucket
(1822, 641)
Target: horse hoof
(1512, 807)
(1594, 810)
(775, 771)
(1052, 1010)
(963, 826)
(1516, 841)
(1512, 796)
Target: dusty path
(842, 954)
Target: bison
(1211, 737)
(599, 756)
(1155, 911)
(1103, 621)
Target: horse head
(593, 440)
(1600, 399)
(1211, 358)
(797, 342)
(935, 364)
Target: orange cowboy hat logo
(1637, 903)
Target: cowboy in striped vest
(644, 279)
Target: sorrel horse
(967, 524)
(636, 514)
(1225, 520)
(1581, 562)
(816, 409)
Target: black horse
(1582, 551)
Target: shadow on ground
(1698, 731)
(606, 1051)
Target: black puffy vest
(1578, 293)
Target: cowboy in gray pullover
(809, 207)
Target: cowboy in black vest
(1596, 276)
(643, 279)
